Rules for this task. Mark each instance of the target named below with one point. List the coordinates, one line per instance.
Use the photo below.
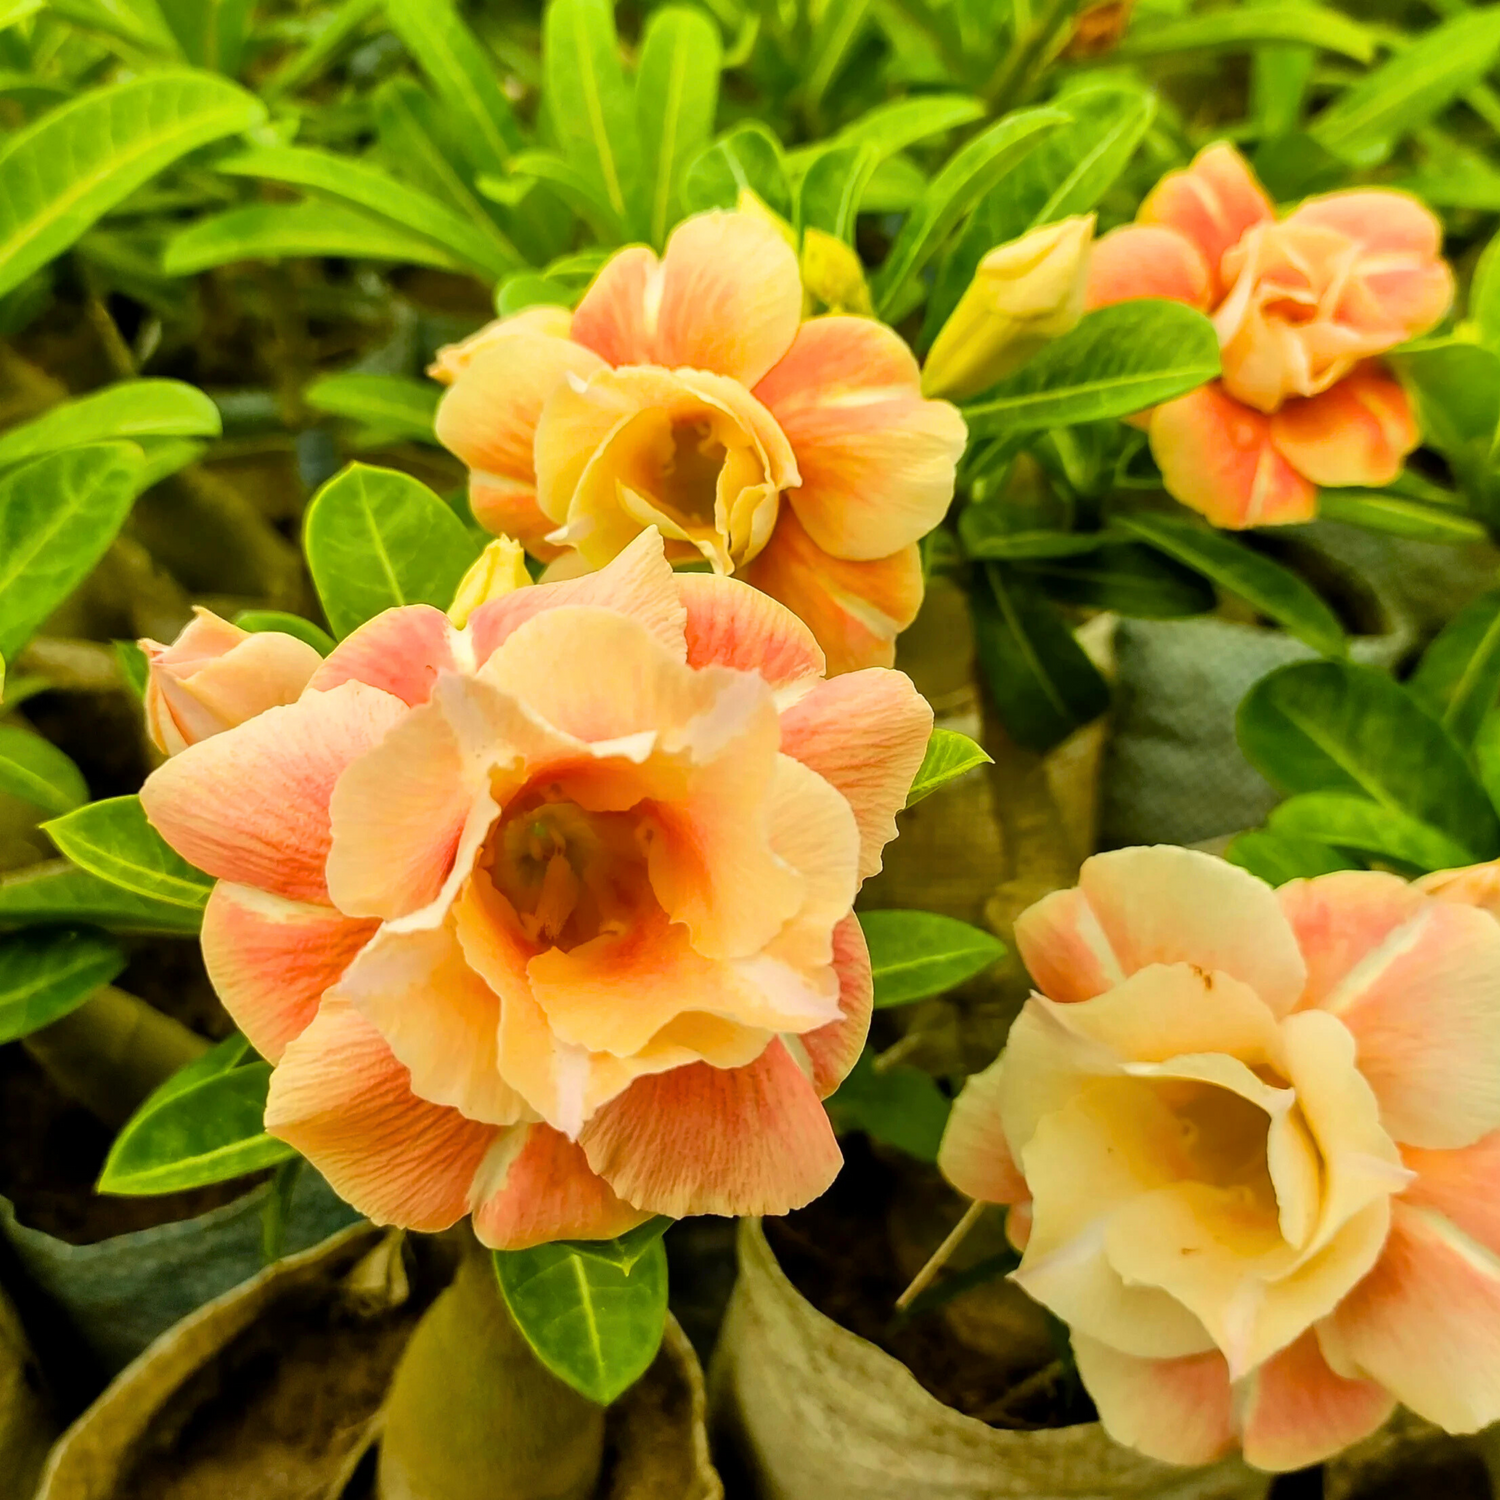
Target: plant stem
(942, 1255)
(1010, 78)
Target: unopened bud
(500, 570)
(832, 278)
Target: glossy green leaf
(745, 159)
(829, 196)
(1043, 684)
(1458, 680)
(62, 173)
(376, 538)
(1334, 727)
(58, 515)
(56, 891)
(395, 405)
(1119, 360)
(37, 772)
(626, 1250)
(594, 1324)
(113, 840)
(914, 954)
(1363, 123)
(949, 756)
(1487, 755)
(897, 1106)
(527, 289)
(137, 22)
(1277, 858)
(1484, 296)
(1456, 389)
(676, 98)
(205, 1124)
(1274, 590)
(45, 974)
(1375, 510)
(279, 231)
(578, 188)
(835, 32)
(1124, 577)
(1250, 26)
(211, 33)
(894, 126)
(369, 188)
(132, 409)
(293, 625)
(1342, 820)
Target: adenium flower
(1252, 1138)
(1302, 306)
(215, 676)
(547, 919)
(687, 393)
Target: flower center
(1224, 1138)
(688, 469)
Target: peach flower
(215, 676)
(686, 393)
(547, 919)
(1302, 306)
(1252, 1138)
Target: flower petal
(726, 297)
(761, 1143)
(1217, 457)
(544, 318)
(1463, 1185)
(730, 624)
(865, 733)
(270, 959)
(1145, 260)
(833, 1049)
(341, 1098)
(251, 805)
(1357, 433)
(877, 460)
(401, 651)
(975, 1156)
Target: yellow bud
(500, 570)
(1023, 295)
(751, 203)
(833, 276)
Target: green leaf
(527, 289)
(293, 625)
(44, 975)
(627, 1249)
(594, 1324)
(1458, 681)
(1375, 510)
(914, 954)
(949, 755)
(588, 101)
(113, 840)
(279, 231)
(37, 772)
(1487, 755)
(58, 515)
(1252, 25)
(368, 187)
(829, 195)
(967, 176)
(892, 127)
(12, 11)
(898, 1106)
(1119, 360)
(1331, 726)
(676, 98)
(375, 539)
(836, 30)
(1343, 820)
(137, 22)
(1122, 576)
(576, 187)
(747, 158)
(464, 77)
(205, 1124)
(212, 33)
(134, 667)
(132, 409)
(61, 174)
(1455, 385)
(1043, 684)
(1484, 296)
(392, 404)
(1277, 858)
(55, 891)
(1274, 590)
(1363, 124)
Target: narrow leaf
(37, 772)
(914, 954)
(133, 409)
(393, 404)
(1396, 516)
(745, 159)
(1458, 680)
(56, 891)
(113, 840)
(1121, 576)
(1343, 820)
(1277, 857)
(46, 974)
(949, 755)
(1253, 25)
(676, 97)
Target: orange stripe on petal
(508, 507)
(1357, 433)
(1463, 1185)
(731, 624)
(1146, 260)
(400, 651)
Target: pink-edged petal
(865, 733)
(975, 1156)
(877, 460)
(544, 318)
(1464, 1185)
(730, 624)
(638, 583)
(341, 1098)
(1212, 203)
(833, 1049)
(726, 297)
(760, 1141)
(1177, 1410)
(270, 959)
(1296, 1411)
(854, 609)
(508, 507)
(535, 1187)
(401, 651)
(1161, 905)
(1357, 433)
(1217, 457)
(1417, 982)
(1425, 1322)
(1146, 260)
(251, 805)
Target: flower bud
(1023, 295)
(832, 278)
(215, 676)
(500, 570)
